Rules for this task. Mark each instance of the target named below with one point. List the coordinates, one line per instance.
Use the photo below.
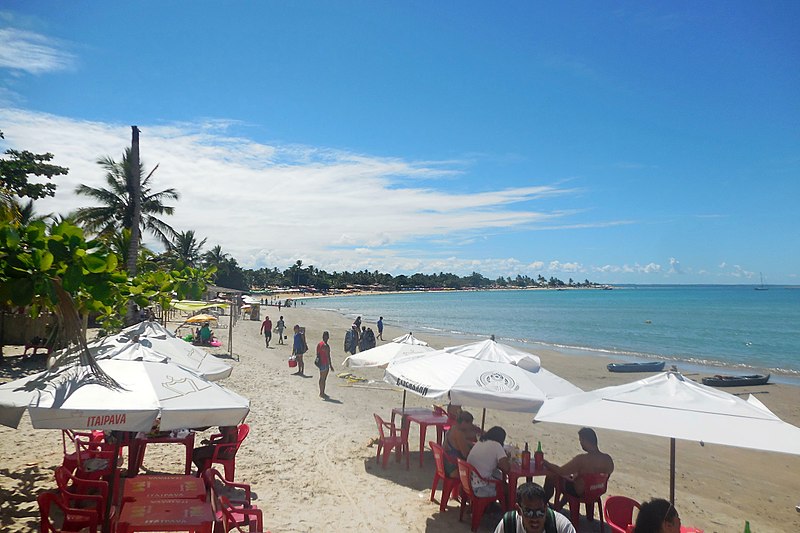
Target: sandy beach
(311, 464)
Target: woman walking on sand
(324, 363)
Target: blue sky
(623, 142)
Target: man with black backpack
(533, 515)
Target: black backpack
(510, 522)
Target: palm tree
(186, 248)
(117, 209)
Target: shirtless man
(592, 462)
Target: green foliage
(16, 169)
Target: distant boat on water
(761, 287)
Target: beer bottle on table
(538, 457)
(526, 458)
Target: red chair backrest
(594, 486)
(381, 425)
(438, 457)
(244, 430)
(618, 511)
(47, 499)
(463, 474)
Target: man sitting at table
(592, 462)
(532, 515)
(229, 434)
(490, 460)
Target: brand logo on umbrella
(497, 382)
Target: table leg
(423, 431)
(512, 492)
(189, 449)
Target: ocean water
(700, 327)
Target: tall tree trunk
(135, 191)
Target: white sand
(311, 468)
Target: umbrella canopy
(163, 346)
(72, 397)
(670, 405)
(382, 355)
(199, 319)
(409, 338)
(483, 374)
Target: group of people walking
(362, 338)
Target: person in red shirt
(266, 329)
(324, 363)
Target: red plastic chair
(71, 452)
(618, 512)
(396, 440)
(450, 485)
(439, 410)
(79, 493)
(232, 517)
(478, 504)
(225, 454)
(595, 485)
(240, 510)
(73, 519)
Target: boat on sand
(650, 366)
(721, 380)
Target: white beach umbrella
(72, 397)
(670, 405)
(409, 338)
(483, 374)
(163, 346)
(382, 355)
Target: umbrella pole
(404, 403)
(483, 419)
(112, 486)
(672, 471)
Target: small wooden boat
(650, 366)
(736, 381)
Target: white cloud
(273, 204)
(23, 50)
(674, 266)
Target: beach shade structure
(409, 338)
(670, 405)
(483, 374)
(199, 319)
(382, 355)
(74, 397)
(162, 346)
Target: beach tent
(74, 397)
(382, 355)
(163, 345)
(483, 374)
(196, 305)
(670, 405)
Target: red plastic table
(163, 487)
(425, 418)
(166, 515)
(139, 445)
(514, 474)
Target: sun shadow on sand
(18, 366)
(18, 492)
(414, 478)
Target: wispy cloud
(27, 51)
(269, 204)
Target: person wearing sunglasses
(532, 514)
(658, 516)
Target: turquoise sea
(696, 327)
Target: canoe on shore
(736, 381)
(650, 366)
